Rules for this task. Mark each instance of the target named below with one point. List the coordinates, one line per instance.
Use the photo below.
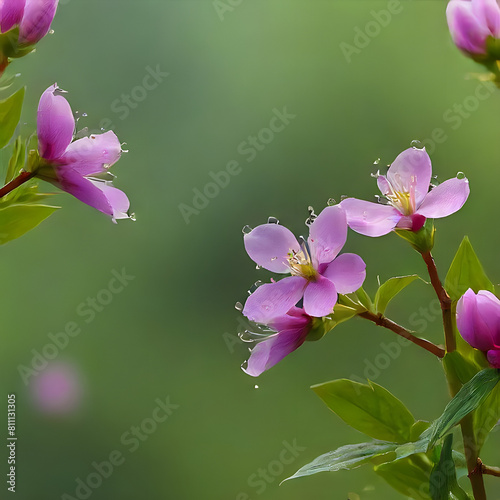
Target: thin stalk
(381, 320)
(16, 182)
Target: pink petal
(272, 300)
(445, 199)
(347, 272)
(383, 185)
(269, 352)
(370, 219)
(11, 13)
(488, 14)
(478, 319)
(327, 235)
(494, 358)
(319, 297)
(97, 194)
(294, 318)
(94, 154)
(268, 246)
(55, 124)
(38, 16)
(468, 33)
(411, 170)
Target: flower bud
(478, 321)
(36, 21)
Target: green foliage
(466, 272)
(470, 396)
(443, 478)
(457, 367)
(388, 290)
(410, 476)
(16, 220)
(423, 240)
(10, 114)
(364, 299)
(486, 416)
(370, 409)
(346, 457)
(17, 160)
(322, 326)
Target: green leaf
(10, 114)
(458, 367)
(364, 299)
(321, 326)
(388, 290)
(409, 476)
(422, 240)
(468, 398)
(443, 478)
(16, 162)
(466, 272)
(16, 220)
(370, 409)
(418, 428)
(486, 416)
(346, 457)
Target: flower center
(301, 265)
(401, 196)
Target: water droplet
(258, 267)
(133, 217)
(246, 229)
(343, 197)
(106, 166)
(256, 386)
(255, 286)
(51, 32)
(311, 217)
(273, 259)
(273, 220)
(377, 161)
(376, 174)
(238, 306)
(85, 115)
(331, 202)
(416, 144)
(461, 175)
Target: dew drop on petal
(331, 202)
(272, 220)
(343, 197)
(460, 175)
(416, 144)
(246, 229)
(238, 306)
(133, 217)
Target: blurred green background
(171, 332)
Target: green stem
(381, 320)
(16, 182)
(466, 425)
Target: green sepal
(10, 114)
(10, 46)
(423, 239)
(321, 326)
(466, 272)
(388, 290)
(370, 409)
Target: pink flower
(406, 189)
(292, 329)
(472, 22)
(33, 17)
(75, 167)
(478, 321)
(317, 274)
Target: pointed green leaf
(409, 476)
(16, 220)
(346, 457)
(16, 162)
(388, 290)
(321, 326)
(443, 478)
(466, 272)
(486, 416)
(364, 299)
(370, 409)
(10, 114)
(468, 398)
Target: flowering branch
(444, 300)
(381, 320)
